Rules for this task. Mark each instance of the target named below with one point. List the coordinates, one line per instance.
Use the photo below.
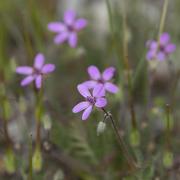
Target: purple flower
(96, 98)
(103, 79)
(164, 50)
(36, 72)
(67, 30)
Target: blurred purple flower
(96, 98)
(36, 72)
(103, 79)
(165, 48)
(67, 30)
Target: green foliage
(78, 144)
(9, 161)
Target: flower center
(101, 81)
(91, 99)
(37, 71)
(162, 48)
(70, 28)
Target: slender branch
(130, 160)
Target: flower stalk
(130, 160)
(127, 68)
(162, 21)
(168, 138)
(30, 175)
(37, 160)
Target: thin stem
(38, 117)
(127, 67)
(130, 160)
(5, 123)
(162, 21)
(30, 176)
(113, 33)
(168, 125)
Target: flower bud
(37, 160)
(168, 159)
(47, 122)
(101, 127)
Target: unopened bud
(37, 160)
(47, 122)
(168, 159)
(101, 127)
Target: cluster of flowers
(66, 31)
(93, 90)
(160, 50)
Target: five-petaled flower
(163, 51)
(103, 79)
(67, 30)
(36, 72)
(94, 98)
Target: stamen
(91, 99)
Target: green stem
(30, 176)
(168, 110)
(5, 123)
(114, 38)
(38, 117)
(127, 67)
(162, 21)
(130, 160)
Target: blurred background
(71, 148)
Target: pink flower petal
(27, 80)
(90, 84)
(69, 17)
(80, 106)
(72, 39)
(94, 73)
(26, 70)
(61, 38)
(39, 61)
(98, 90)
(150, 54)
(87, 112)
(48, 68)
(170, 48)
(56, 27)
(161, 56)
(83, 90)
(152, 44)
(101, 102)
(38, 81)
(164, 39)
(111, 87)
(80, 24)
(108, 73)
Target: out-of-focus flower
(35, 73)
(103, 79)
(96, 98)
(67, 30)
(163, 51)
